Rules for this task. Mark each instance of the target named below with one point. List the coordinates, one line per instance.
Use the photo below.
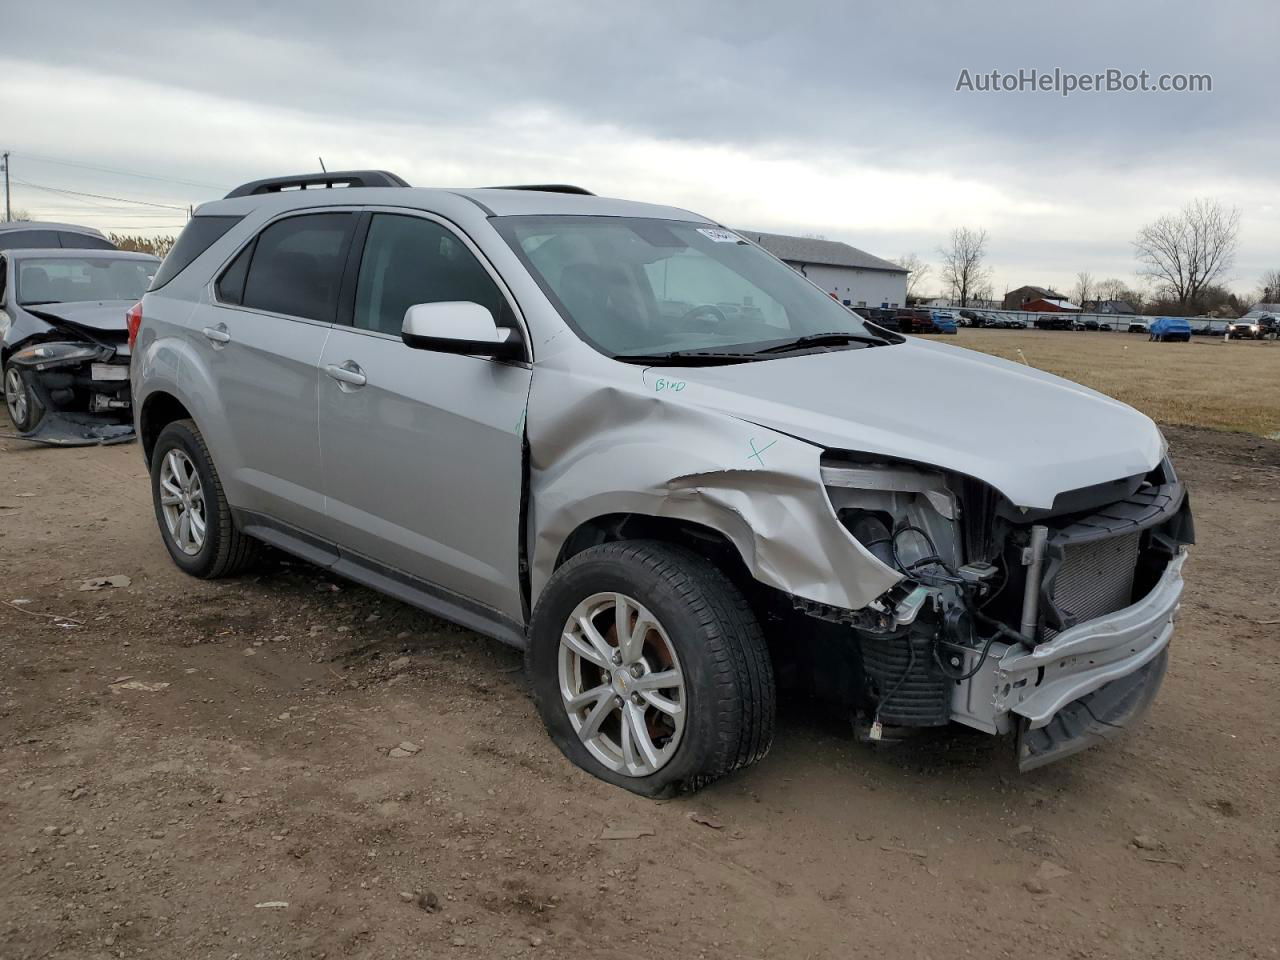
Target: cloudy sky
(838, 118)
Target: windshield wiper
(832, 339)
(686, 358)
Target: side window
(230, 287)
(297, 264)
(409, 260)
(197, 236)
(83, 241)
(29, 240)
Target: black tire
(35, 410)
(226, 551)
(728, 676)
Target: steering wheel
(707, 314)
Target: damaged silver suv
(624, 438)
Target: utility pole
(7, 215)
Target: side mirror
(459, 327)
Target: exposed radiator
(1096, 578)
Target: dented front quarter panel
(611, 438)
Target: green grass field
(1204, 383)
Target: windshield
(72, 279)
(641, 286)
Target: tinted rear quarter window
(29, 240)
(231, 284)
(83, 241)
(197, 236)
(296, 266)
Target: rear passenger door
(261, 341)
(422, 450)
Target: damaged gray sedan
(675, 472)
(64, 354)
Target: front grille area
(1095, 578)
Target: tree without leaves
(1187, 251)
(1270, 287)
(1084, 288)
(962, 263)
(917, 271)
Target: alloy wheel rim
(182, 502)
(15, 396)
(621, 684)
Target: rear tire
(184, 481)
(716, 647)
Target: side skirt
(416, 592)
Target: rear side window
(296, 266)
(83, 241)
(29, 240)
(230, 287)
(197, 236)
(409, 260)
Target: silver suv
(626, 439)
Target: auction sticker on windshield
(720, 236)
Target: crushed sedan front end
(70, 388)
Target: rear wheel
(649, 668)
(191, 509)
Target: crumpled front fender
(641, 444)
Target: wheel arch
(160, 409)
(702, 539)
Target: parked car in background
(470, 400)
(1138, 325)
(1200, 326)
(914, 320)
(883, 318)
(29, 234)
(943, 322)
(1170, 330)
(64, 356)
(1246, 328)
(1218, 328)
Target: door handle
(218, 334)
(348, 374)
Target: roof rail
(339, 178)
(547, 188)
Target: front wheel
(649, 668)
(25, 408)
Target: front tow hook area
(1095, 717)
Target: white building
(855, 277)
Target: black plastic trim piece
(512, 349)
(546, 188)
(341, 178)
(434, 599)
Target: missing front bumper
(1082, 686)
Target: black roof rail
(338, 178)
(547, 188)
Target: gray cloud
(825, 86)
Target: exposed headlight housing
(47, 356)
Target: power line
(99, 196)
(123, 173)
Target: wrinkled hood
(1029, 434)
(101, 315)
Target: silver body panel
(414, 462)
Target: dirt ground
(193, 769)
